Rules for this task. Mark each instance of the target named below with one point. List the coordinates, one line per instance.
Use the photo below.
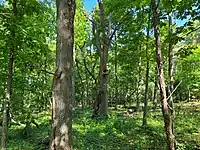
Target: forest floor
(120, 130)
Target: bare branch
(174, 90)
(93, 77)
(193, 30)
(47, 72)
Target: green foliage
(118, 131)
(34, 41)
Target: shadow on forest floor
(116, 132)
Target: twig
(174, 90)
(85, 64)
(193, 30)
(47, 72)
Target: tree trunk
(82, 85)
(8, 92)
(103, 95)
(189, 93)
(147, 77)
(7, 100)
(62, 81)
(170, 72)
(155, 89)
(139, 81)
(165, 110)
(116, 79)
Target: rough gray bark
(8, 92)
(165, 109)
(147, 77)
(62, 81)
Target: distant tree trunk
(155, 89)
(189, 94)
(7, 100)
(8, 92)
(82, 84)
(147, 77)
(165, 110)
(139, 80)
(170, 71)
(116, 79)
(62, 81)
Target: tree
(147, 75)
(165, 109)
(62, 81)
(8, 93)
(102, 44)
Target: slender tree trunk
(116, 79)
(165, 110)
(139, 81)
(7, 100)
(62, 82)
(87, 90)
(82, 85)
(155, 89)
(8, 92)
(147, 77)
(170, 72)
(189, 94)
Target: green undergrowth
(117, 131)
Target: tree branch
(47, 72)
(174, 90)
(93, 77)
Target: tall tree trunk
(103, 94)
(170, 71)
(62, 81)
(147, 77)
(8, 92)
(165, 109)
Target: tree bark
(103, 110)
(8, 92)
(147, 76)
(165, 110)
(170, 71)
(62, 81)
